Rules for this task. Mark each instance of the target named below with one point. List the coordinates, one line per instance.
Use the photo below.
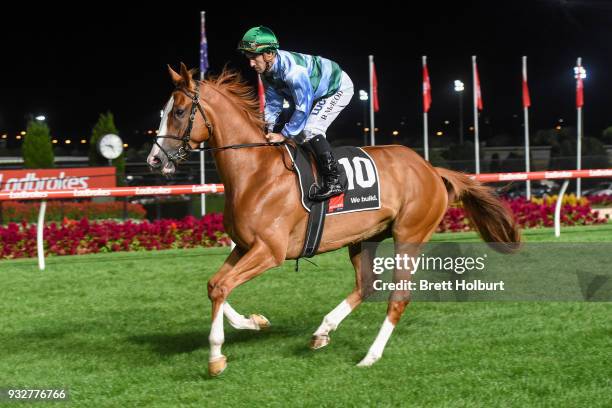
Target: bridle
(185, 149)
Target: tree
(606, 135)
(436, 158)
(495, 166)
(37, 150)
(514, 162)
(596, 154)
(564, 149)
(461, 157)
(104, 126)
(501, 139)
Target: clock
(110, 146)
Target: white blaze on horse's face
(157, 159)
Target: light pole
(459, 87)
(579, 74)
(363, 96)
(41, 118)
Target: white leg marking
(216, 337)
(237, 320)
(377, 348)
(333, 319)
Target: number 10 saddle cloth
(359, 175)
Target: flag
(203, 46)
(426, 88)
(526, 99)
(261, 94)
(579, 91)
(375, 89)
(477, 85)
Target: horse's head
(183, 126)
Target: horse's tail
(494, 221)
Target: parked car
(603, 188)
(519, 189)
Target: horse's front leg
(254, 262)
(238, 321)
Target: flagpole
(475, 92)
(425, 123)
(579, 130)
(202, 72)
(526, 126)
(372, 126)
(425, 141)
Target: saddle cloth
(359, 175)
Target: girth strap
(314, 230)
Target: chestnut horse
(265, 219)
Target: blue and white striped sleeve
(273, 107)
(303, 97)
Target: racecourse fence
(140, 191)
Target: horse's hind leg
(332, 320)
(409, 244)
(359, 256)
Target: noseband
(183, 151)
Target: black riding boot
(328, 166)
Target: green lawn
(591, 233)
(131, 329)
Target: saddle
(359, 175)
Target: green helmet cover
(258, 40)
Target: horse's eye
(179, 112)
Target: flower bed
(539, 212)
(602, 200)
(58, 210)
(85, 237)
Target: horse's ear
(176, 78)
(186, 76)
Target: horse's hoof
(318, 342)
(260, 321)
(217, 366)
(368, 360)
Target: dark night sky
(73, 66)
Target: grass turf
(131, 329)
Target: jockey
(315, 87)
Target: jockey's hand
(275, 137)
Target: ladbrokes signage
(57, 179)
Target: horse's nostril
(155, 162)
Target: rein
(184, 150)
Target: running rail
(218, 188)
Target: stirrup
(313, 190)
(322, 195)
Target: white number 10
(357, 174)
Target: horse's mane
(231, 84)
